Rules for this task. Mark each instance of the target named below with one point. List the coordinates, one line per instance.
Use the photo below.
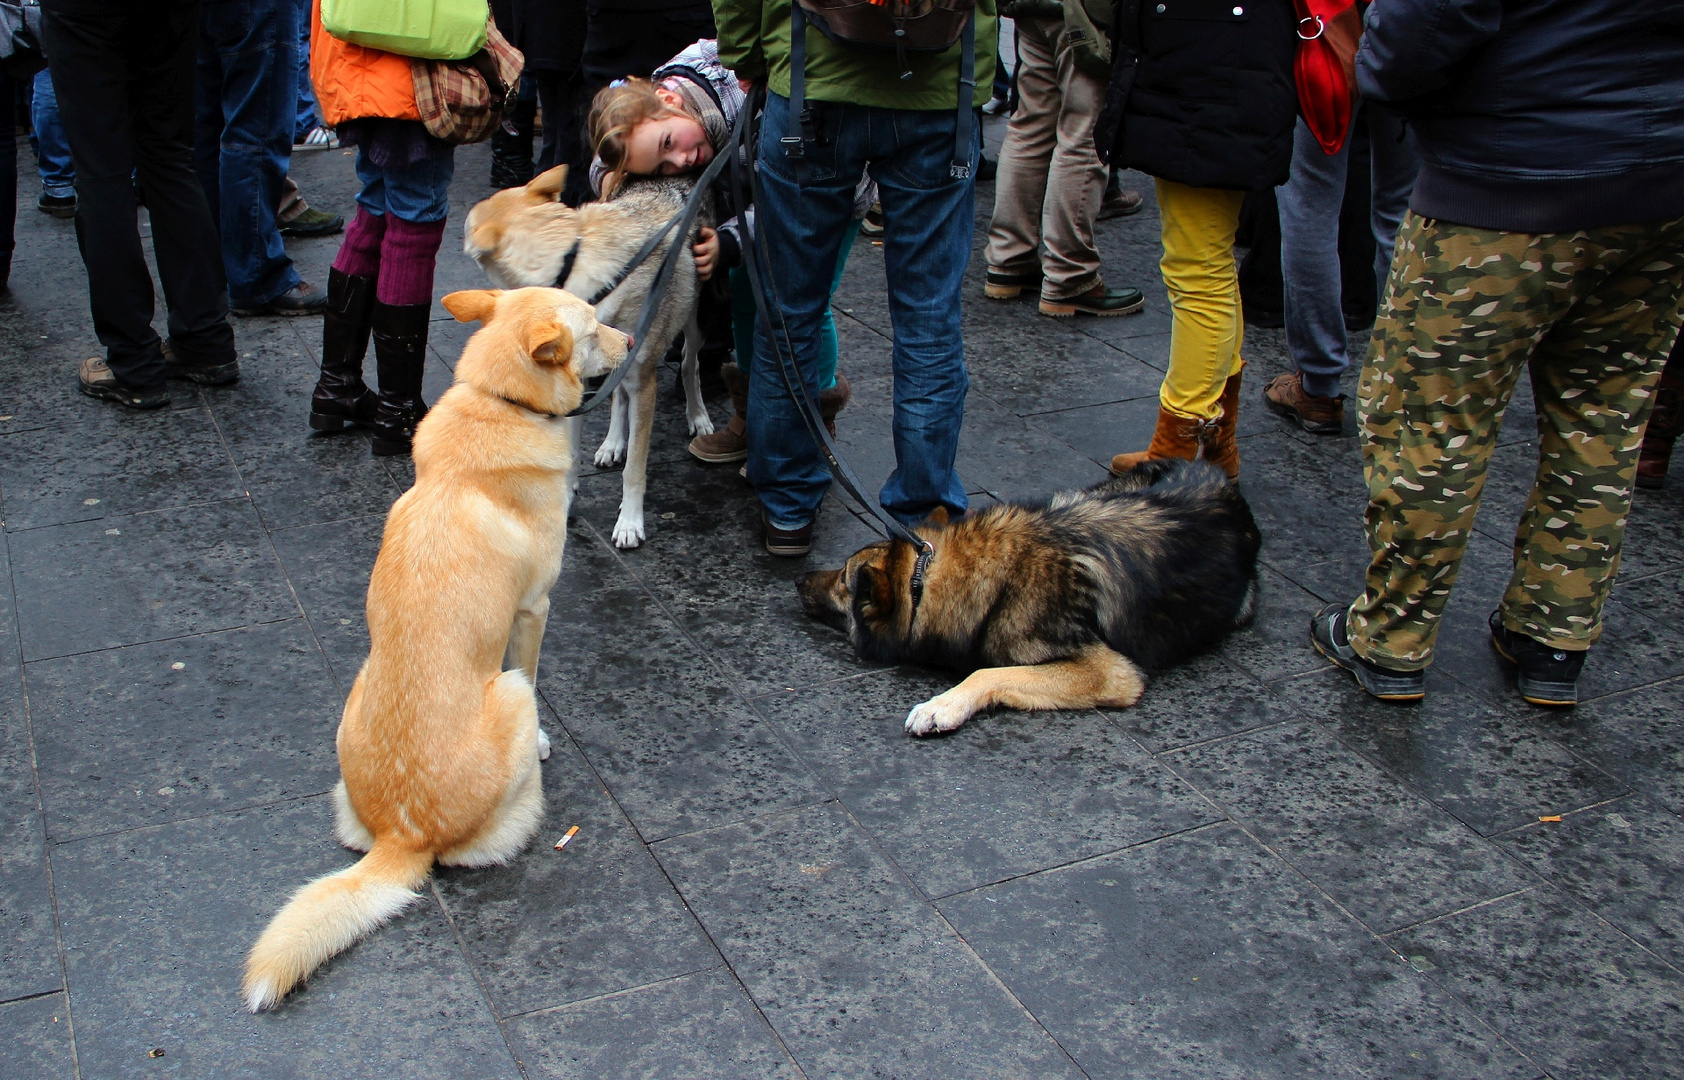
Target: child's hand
(706, 252)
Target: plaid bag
(463, 101)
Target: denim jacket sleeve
(741, 47)
(1410, 46)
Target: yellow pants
(1204, 296)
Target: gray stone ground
(1257, 872)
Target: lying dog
(439, 745)
(523, 236)
(1052, 606)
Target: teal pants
(743, 315)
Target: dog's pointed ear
(549, 183)
(472, 305)
(549, 343)
(938, 518)
(874, 591)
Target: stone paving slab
(1256, 872)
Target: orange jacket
(354, 82)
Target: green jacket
(754, 43)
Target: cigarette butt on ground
(574, 831)
(1546, 817)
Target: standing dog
(523, 236)
(1052, 606)
(439, 745)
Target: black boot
(511, 154)
(341, 396)
(400, 356)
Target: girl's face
(666, 147)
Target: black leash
(765, 297)
(618, 279)
(658, 290)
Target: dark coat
(1535, 116)
(1202, 91)
(549, 33)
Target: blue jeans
(418, 192)
(242, 143)
(928, 221)
(52, 149)
(1309, 208)
(306, 119)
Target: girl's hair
(616, 112)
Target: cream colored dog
(439, 745)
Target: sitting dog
(439, 745)
(1053, 606)
(523, 236)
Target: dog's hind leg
(613, 448)
(695, 409)
(1096, 676)
(348, 828)
(628, 530)
(526, 637)
(510, 714)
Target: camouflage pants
(1593, 314)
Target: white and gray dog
(524, 236)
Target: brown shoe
(1174, 437)
(787, 543)
(1665, 421)
(1121, 203)
(1222, 448)
(731, 443)
(1318, 415)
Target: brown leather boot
(831, 402)
(1665, 420)
(1285, 394)
(731, 442)
(1174, 437)
(1222, 448)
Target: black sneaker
(1545, 675)
(96, 380)
(203, 374)
(301, 299)
(59, 206)
(1328, 635)
(787, 543)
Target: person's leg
(829, 346)
(1206, 330)
(256, 45)
(1020, 188)
(8, 178)
(1593, 378)
(1076, 184)
(1394, 166)
(1309, 204)
(1460, 322)
(58, 172)
(801, 221)
(928, 217)
(341, 397)
(511, 151)
(305, 120)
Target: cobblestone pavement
(1257, 872)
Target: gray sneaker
(1329, 636)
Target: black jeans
(619, 42)
(124, 74)
(564, 131)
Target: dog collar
(567, 262)
(919, 569)
(523, 405)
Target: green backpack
(427, 29)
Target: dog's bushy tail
(328, 915)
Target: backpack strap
(962, 117)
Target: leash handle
(765, 297)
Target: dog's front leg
(613, 448)
(575, 434)
(695, 409)
(526, 638)
(628, 531)
(1096, 676)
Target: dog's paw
(701, 424)
(543, 745)
(936, 715)
(628, 532)
(610, 453)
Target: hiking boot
(1173, 437)
(97, 380)
(313, 222)
(341, 398)
(400, 358)
(731, 442)
(1121, 203)
(1096, 301)
(999, 285)
(204, 374)
(1329, 635)
(787, 543)
(1318, 415)
(59, 206)
(1665, 421)
(301, 299)
(1544, 674)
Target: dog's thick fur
(439, 745)
(1053, 606)
(521, 236)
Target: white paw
(543, 745)
(628, 531)
(937, 714)
(611, 453)
(701, 423)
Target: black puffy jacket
(1536, 115)
(1202, 91)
